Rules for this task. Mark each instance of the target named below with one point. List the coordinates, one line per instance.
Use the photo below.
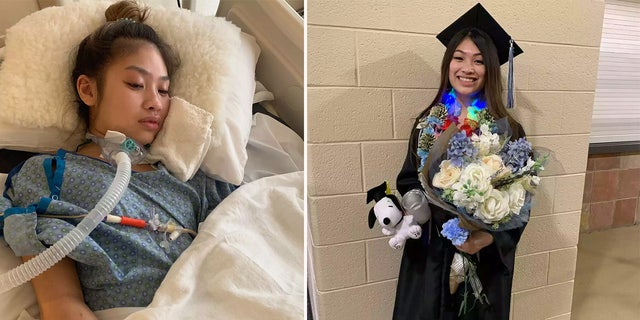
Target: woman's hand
(59, 293)
(476, 241)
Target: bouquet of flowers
(480, 176)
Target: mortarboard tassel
(510, 102)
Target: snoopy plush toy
(389, 214)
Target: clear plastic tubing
(62, 248)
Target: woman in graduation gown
(476, 47)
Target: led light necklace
(454, 108)
(434, 123)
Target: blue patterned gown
(118, 266)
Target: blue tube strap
(54, 178)
(42, 206)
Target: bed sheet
(247, 261)
(273, 148)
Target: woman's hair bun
(127, 9)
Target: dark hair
(122, 34)
(492, 90)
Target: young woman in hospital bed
(122, 76)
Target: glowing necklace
(454, 108)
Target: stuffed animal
(389, 214)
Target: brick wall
(611, 192)
(372, 66)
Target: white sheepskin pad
(35, 78)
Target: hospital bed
(247, 261)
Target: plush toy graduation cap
(478, 17)
(379, 192)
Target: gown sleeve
(408, 177)
(28, 234)
(4, 205)
(504, 245)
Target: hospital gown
(118, 266)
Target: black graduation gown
(423, 281)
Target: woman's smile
(467, 80)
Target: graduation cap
(478, 17)
(379, 192)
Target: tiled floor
(607, 281)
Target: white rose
(482, 145)
(486, 142)
(447, 176)
(516, 197)
(494, 208)
(472, 187)
(477, 176)
(492, 162)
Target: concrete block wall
(372, 66)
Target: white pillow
(153, 3)
(37, 97)
(227, 161)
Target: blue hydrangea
(452, 231)
(460, 148)
(516, 154)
